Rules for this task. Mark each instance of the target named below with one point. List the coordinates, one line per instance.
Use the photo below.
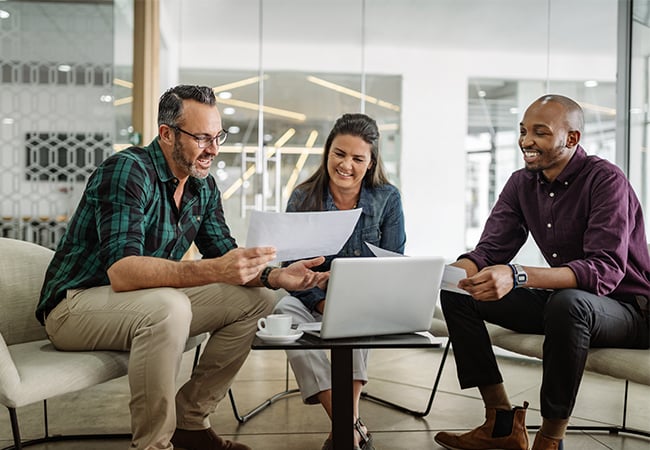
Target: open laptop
(378, 296)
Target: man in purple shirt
(588, 224)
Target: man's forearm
(143, 272)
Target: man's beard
(184, 163)
(535, 169)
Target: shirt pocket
(371, 234)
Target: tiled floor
(401, 375)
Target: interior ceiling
(507, 25)
(515, 25)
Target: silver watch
(519, 275)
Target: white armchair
(31, 369)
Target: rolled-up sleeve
(117, 193)
(504, 233)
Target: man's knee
(452, 301)
(567, 307)
(172, 314)
(269, 300)
(566, 301)
(257, 302)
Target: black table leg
(342, 402)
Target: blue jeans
(571, 321)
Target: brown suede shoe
(203, 440)
(546, 443)
(502, 430)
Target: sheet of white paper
(431, 337)
(310, 326)
(450, 278)
(300, 235)
(380, 252)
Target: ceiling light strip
(285, 150)
(251, 170)
(123, 83)
(122, 101)
(293, 178)
(266, 109)
(352, 93)
(238, 84)
(603, 109)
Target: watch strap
(264, 277)
(519, 275)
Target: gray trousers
(571, 321)
(154, 324)
(312, 367)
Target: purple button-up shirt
(589, 219)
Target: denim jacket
(381, 223)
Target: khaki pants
(154, 324)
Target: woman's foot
(328, 445)
(362, 439)
(365, 440)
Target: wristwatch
(264, 277)
(519, 275)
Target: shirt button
(554, 255)
(548, 225)
(357, 253)
(566, 183)
(552, 194)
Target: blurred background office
(447, 80)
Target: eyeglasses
(205, 141)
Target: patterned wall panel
(57, 119)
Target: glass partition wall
(281, 91)
(495, 108)
(447, 82)
(302, 64)
(56, 111)
(639, 112)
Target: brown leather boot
(546, 443)
(502, 430)
(203, 440)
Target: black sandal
(366, 442)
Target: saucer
(292, 336)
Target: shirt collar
(164, 172)
(365, 201)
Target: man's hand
(298, 276)
(241, 265)
(490, 284)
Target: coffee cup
(275, 324)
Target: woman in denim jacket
(350, 176)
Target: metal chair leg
(15, 429)
(410, 411)
(243, 418)
(197, 354)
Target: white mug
(275, 324)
